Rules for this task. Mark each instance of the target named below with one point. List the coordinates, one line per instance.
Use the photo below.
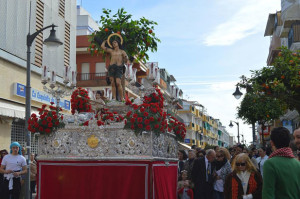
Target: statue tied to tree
(116, 67)
(139, 38)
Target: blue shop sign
(39, 96)
(187, 141)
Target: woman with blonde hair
(245, 181)
(223, 169)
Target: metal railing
(90, 76)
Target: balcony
(169, 89)
(91, 79)
(175, 115)
(273, 49)
(290, 15)
(290, 12)
(294, 37)
(190, 126)
(179, 103)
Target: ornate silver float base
(106, 143)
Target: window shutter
(39, 39)
(61, 8)
(67, 45)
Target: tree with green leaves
(138, 35)
(259, 108)
(280, 81)
(272, 90)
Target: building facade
(14, 26)
(92, 70)
(284, 29)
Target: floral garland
(47, 122)
(150, 116)
(80, 101)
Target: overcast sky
(205, 45)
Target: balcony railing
(176, 116)
(180, 101)
(90, 76)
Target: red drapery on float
(164, 181)
(106, 179)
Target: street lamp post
(50, 41)
(238, 127)
(237, 94)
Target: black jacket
(202, 188)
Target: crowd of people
(242, 173)
(13, 172)
(218, 173)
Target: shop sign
(187, 141)
(39, 96)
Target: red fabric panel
(165, 180)
(115, 181)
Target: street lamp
(52, 41)
(237, 94)
(238, 126)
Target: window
(85, 71)
(100, 69)
(18, 135)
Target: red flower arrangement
(105, 116)
(47, 122)
(80, 101)
(150, 116)
(177, 127)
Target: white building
(86, 25)
(193, 120)
(14, 27)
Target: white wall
(86, 25)
(14, 23)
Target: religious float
(124, 151)
(113, 150)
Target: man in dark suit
(202, 175)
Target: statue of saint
(115, 69)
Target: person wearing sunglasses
(223, 169)
(245, 181)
